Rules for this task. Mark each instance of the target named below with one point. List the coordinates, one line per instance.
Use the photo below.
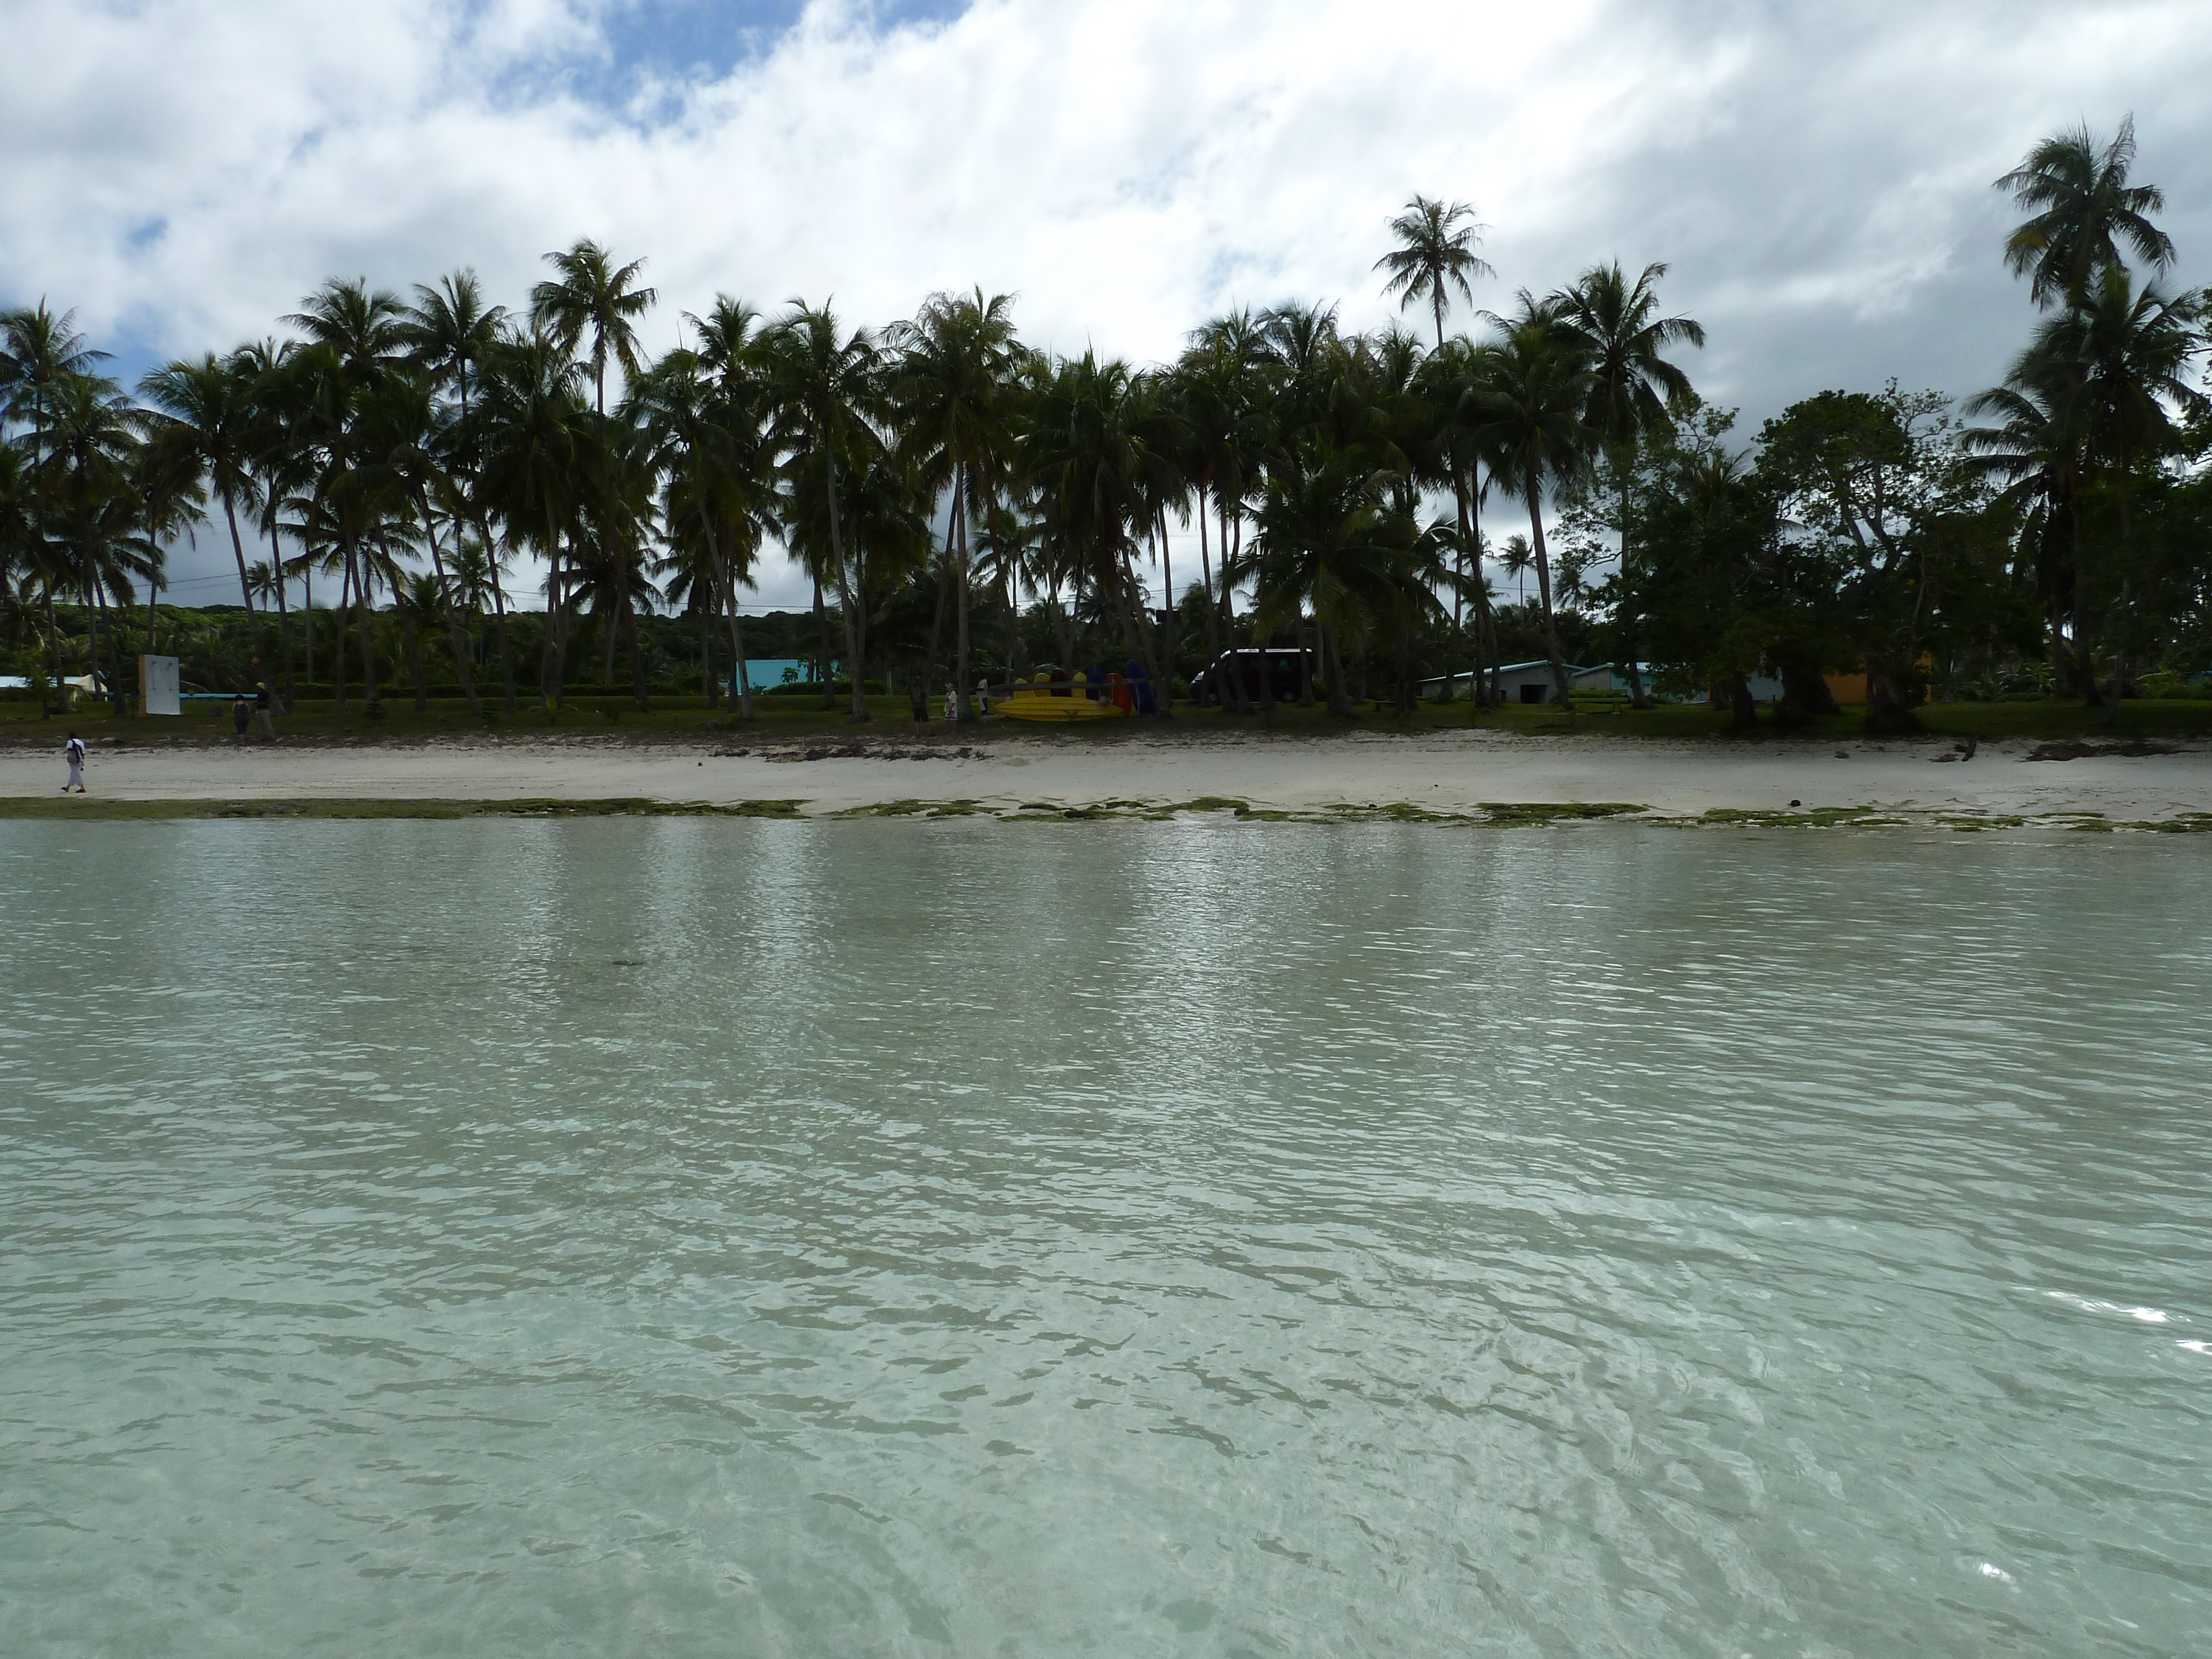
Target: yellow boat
(1034, 700)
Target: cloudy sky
(1816, 174)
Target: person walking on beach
(262, 711)
(74, 751)
(238, 717)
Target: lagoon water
(672, 1238)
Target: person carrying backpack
(74, 751)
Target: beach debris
(2067, 751)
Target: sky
(1816, 176)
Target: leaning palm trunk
(237, 550)
(1543, 587)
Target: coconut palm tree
(91, 458)
(1226, 412)
(449, 329)
(1332, 539)
(1457, 399)
(1084, 450)
(2033, 448)
(540, 454)
(702, 412)
(1515, 559)
(826, 388)
(1537, 384)
(2121, 358)
(593, 294)
(402, 440)
(704, 501)
(2083, 209)
(1632, 387)
(202, 421)
(953, 381)
(1435, 256)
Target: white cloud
(182, 170)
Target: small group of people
(262, 709)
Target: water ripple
(684, 1237)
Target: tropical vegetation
(969, 507)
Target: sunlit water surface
(675, 1238)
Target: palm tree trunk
(455, 642)
(738, 650)
(1213, 623)
(1534, 485)
(962, 651)
(725, 595)
(636, 655)
(1340, 700)
(936, 632)
(553, 658)
(707, 687)
(857, 667)
(371, 692)
(92, 610)
(1169, 619)
(1231, 560)
(1638, 697)
(345, 592)
(284, 614)
(238, 549)
(822, 646)
(1139, 615)
(499, 626)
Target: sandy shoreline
(1447, 773)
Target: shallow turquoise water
(674, 1238)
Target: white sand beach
(1445, 772)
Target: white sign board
(157, 686)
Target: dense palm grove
(967, 505)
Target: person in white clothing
(74, 750)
